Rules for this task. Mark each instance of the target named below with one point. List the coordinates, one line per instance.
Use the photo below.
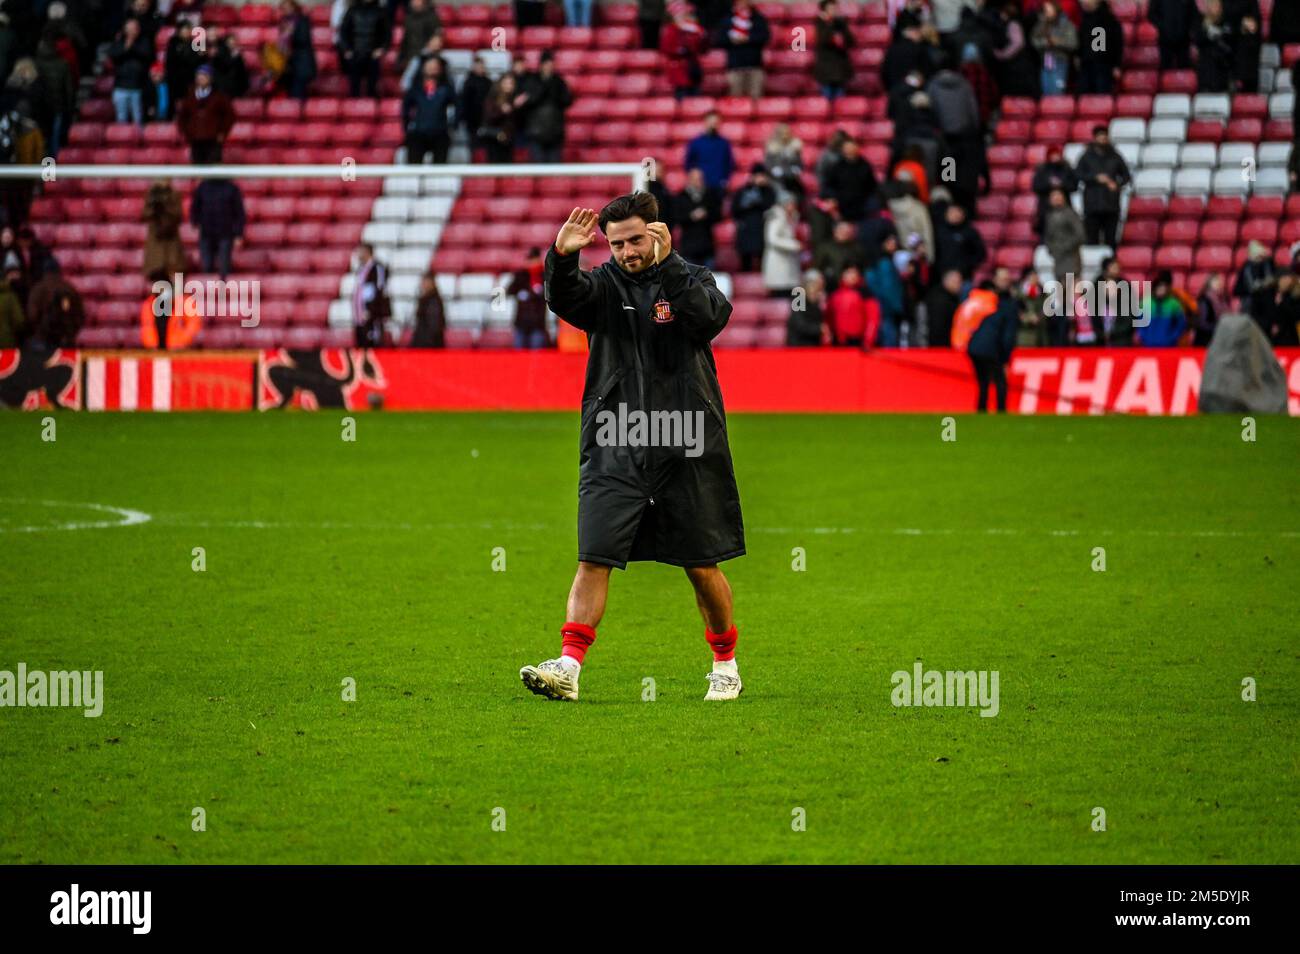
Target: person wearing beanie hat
(204, 118)
(1256, 283)
(748, 209)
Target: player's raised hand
(662, 239)
(577, 233)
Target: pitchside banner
(1042, 380)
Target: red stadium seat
(1219, 232)
(1173, 257)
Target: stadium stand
(1190, 209)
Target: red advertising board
(1042, 381)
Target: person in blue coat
(991, 345)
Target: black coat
(430, 322)
(1098, 198)
(1215, 62)
(749, 208)
(697, 235)
(1174, 19)
(217, 209)
(750, 53)
(364, 29)
(1111, 53)
(649, 336)
(995, 338)
(831, 65)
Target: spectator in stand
(831, 155)
(1245, 57)
(55, 311)
(1235, 11)
(165, 323)
(885, 283)
(1103, 173)
(577, 13)
(548, 99)
(1056, 39)
(144, 13)
(55, 99)
(1101, 50)
(712, 12)
(957, 113)
(976, 72)
(851, 185)
(1054, 173)
(500, 129)
(1256, 283)
(682, 42)
(1063, 235)
(428, 115)
(957, 244)
(13, 325)
(363, 37)
(204, 118)
(475, 89)
(229, 71)
(840, 252)
(911, 168)
(806, 327)
(711, 154)
(530, 304)
(1285, 329)
(1015, 67)
(1113, 316)
(430, 316)
(940, 302)
(370, 304)
(11, 253)
(783, 156)
(832, 68)
(698, 209)
(432, 50)
(743, 35)
(782, 250)
(904, 13)
(1211, 305)
(1214, 45)
(1293, 160)
(163, 215)
(294, 43)
(180, 62)
(1174, 21)
(911, 217)
(853, 318)
(530, 13)
(908, 53)
(650, 18)
(70, 38)
(1166, 320)
(217, 211)
(421, 23)
(131, 56)
(749, 206)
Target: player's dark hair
(628, 206)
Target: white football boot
(552, 679)
(723, 686)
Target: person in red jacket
(853, 319)
(204, 118)
(682, 42)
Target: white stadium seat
(1271, 180)
(340, 313)
(1153, 181)
(1128, 130)
(1198, 154)
(1230, 181)
(1233, 153)
(1281, 105)
(446, 286)
(476, 285)
(1167, 130)
(391, 208)
(1193, 181)
(1274, 153)
(1172, 105)
(1159, 154)
(1212, 106)
(1131, 151)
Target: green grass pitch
(373, 560)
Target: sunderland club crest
(663, 311)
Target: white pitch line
(129, 518)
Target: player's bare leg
(558, 678)
(713, 596)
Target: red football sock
(577, 639)
(724, 645)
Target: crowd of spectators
(884, 255)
